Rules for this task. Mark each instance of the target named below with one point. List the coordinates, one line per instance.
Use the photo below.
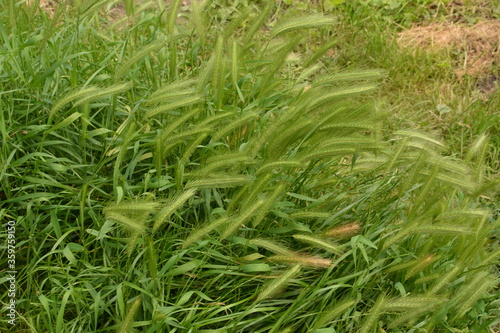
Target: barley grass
(242, 167)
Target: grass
(222, 171)
(439, 100)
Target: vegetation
(213, 168)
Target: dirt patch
(475, 48)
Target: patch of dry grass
(475, 49)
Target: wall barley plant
(205, 168)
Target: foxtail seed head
(345, 230)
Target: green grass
(429, 93)
(222, 172)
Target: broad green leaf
(251, 268)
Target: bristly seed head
(345, 230)
(310, 261)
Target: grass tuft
(215, 166)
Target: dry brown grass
(475, 48)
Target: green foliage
(183, 176)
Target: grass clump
(183, 176)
